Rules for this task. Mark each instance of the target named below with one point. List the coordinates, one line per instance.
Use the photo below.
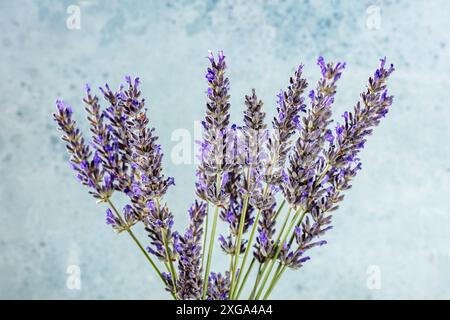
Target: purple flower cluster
(125, 158)
(247, 175)
(219, 286)
(335, 165)
(86, 164)
(212, 172)
(189, 248)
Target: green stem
(277, 277)
(283, 268)
(279, 209)
(280, 246)
(261, 270)
(266, 263)
(169, 258)
(245, 278)
(168, 252)
(149, 259)
(238, 246)
(205, 237)
(250, 240)
(210, 251)
(231, 262)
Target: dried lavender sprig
(212, 173)
(190, 279)
(214, 164)
(103, 141)
(342, 161)
(308, 231)
(121, 224)
(298, 186)
(145, 183)
(290, 104)
(352, 135)
(88, 168)
(148, 181)
(95, 173)
(253, 156)
(118, 153)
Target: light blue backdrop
(394, 223)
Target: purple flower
(190, 280)
(88, 169)
(218, 286)
(290, 104)
(303, 161)
(213, 162)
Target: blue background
(396, 218)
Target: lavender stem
(252, 263)
(152, 263)
(248, 248)
(205, 238)
(280, 246)
(266, 263)
(210, 251)
(238, 242)
(275, 279)
(169, 257)
(261, 269)
(250, 240)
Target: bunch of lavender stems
(275, 189)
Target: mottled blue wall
(396, 217)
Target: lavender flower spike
(213, 162)
(298, 186)
(290, 104)
(190, 280)
(88, 168)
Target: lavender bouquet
(274, 189)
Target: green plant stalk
(277, 277)
(277, 253)
(250, 240)
(171, 268)
(241, 287)
(210, 251)
(279, 209)
(249, 244)
(266, 263)
(283, 268)
(169, 258)
(247, 249)
(261, 269)
(205, 237)
(238, 246)
(211, 240)
(149, 259)
(298, 225)
(231, 262)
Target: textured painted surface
(396, 217)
